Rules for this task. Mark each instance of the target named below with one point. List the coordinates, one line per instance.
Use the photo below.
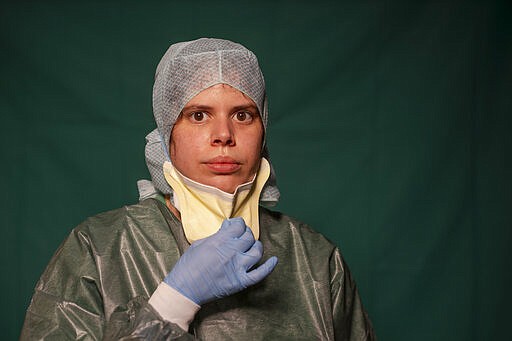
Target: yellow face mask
(203, 207)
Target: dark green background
(389, 129)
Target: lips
(223, 165)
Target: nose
(223, 133)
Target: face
(217, 139)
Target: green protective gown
(98, 283)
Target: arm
(72, 298)
(214, 267)
(351, 321)
(68, 303)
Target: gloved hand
(220, 265)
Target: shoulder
(293, 231)
(144, 219)
(112, 218)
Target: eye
(198, 116)
(243, 116)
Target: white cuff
(173, 306)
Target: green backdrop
(390, 130)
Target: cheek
(253, 147)
(176, 145)
(185, 144)
(257, 138)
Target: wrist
(173, 306)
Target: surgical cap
(186, 69)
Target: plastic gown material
(98, 283)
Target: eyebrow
(206, 107)
(247, 106)
(196, 107)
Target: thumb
(257, 275)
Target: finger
(245, 241)
(262, 271)
(199, 242)
(256, 250)
(247, 235)
(232, 228)
(251, 257)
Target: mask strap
(166, 152)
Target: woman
(200, 218)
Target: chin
(230, 189)
(227, 183)
(225, 187)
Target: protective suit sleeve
(68, 303)
(350, 319)
(173, 306)
(142, 322)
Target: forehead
(221, 95)
(191, 67)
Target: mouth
(223, 165)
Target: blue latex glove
(220, 265)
